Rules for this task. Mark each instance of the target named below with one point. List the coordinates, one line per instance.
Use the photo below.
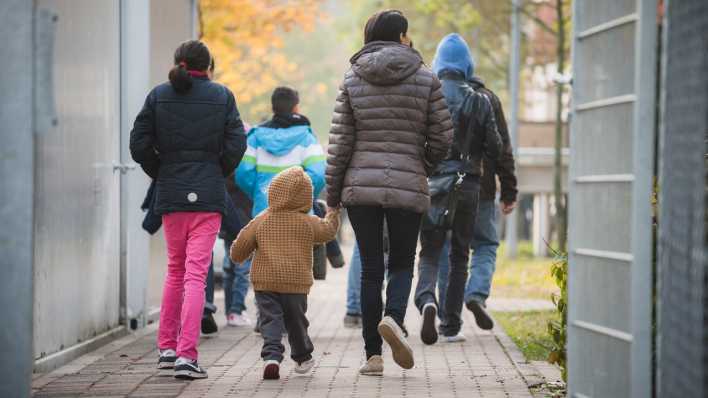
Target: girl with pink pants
(190, 239)
(188, 137)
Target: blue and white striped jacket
(272, 149)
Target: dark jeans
(432, 243)
(278, 312)
(209, 307)
(403, 228)
(236, 282)
(484, 257)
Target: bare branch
(543, 25)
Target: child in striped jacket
(284, 141)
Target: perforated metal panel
(611, 167)
(682, 261)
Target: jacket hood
(291, 190)
(280, 141)
(453, 54)
(288, 120)
(476, 82)
(385, 62)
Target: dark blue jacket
(231, 222)
(188, 143)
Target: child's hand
(334, 210)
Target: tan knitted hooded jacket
(283, 236)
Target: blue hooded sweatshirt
(453, 54)
(273, 148)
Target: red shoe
(271, 370)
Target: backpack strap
(468, 134)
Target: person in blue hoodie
(284, 141)
(476, 136)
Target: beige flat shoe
(393, 334)
(372, 367)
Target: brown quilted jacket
(391, 127)
(283, 236)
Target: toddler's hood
(291, 190)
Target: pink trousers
(190, 239)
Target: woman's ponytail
(180, 79)
(192, 55)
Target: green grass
(524, 277)
(529, 332)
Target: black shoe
(167, 359)
(189, 370)
(209, 325)
(484, 321)
(337, 261)
(352, 321)
(428, 333)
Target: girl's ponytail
(180, 79)
(192, 55)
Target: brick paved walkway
(487, 365)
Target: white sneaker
(458, 338)
(305, 367)
(167, 359)
(373, 366)
(238, 320)
(189, 369)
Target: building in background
(536, 141)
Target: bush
(557, 328)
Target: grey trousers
(278, 312)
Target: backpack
(445, 182)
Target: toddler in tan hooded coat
(281, 272)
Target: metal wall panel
(600, 139)
(76, 191)
(135, 83)
(683, 179)
(611, 163)
(16, 176)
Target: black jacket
(188, 143)
(473, 120)
(283, 121)
(504, 166)
(231, 222)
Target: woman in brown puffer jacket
(391, 127)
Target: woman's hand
(507, 208)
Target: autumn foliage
(246, 38)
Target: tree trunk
(558, 164)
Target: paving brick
(479, 367)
